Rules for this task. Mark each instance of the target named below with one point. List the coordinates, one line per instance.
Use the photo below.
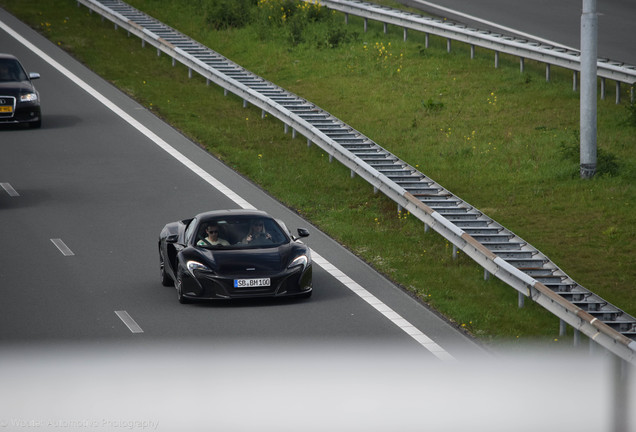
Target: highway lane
(105, 190)
(67, 362)
(557, 21)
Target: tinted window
(243, 232)
(10, 70)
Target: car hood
(247, 261)
(14, 88)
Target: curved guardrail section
(521, 48)
(491, 245)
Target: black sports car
(234, 254)
(19, 100)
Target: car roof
(231, 212)
(7, 56)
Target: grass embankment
(505, 142)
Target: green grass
(499, 139)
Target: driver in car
(212, 239)
(257, 231)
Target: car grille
(7, 106)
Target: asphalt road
(106, 190)
(557, 21)
(89, 339)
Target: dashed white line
(394, 317)
(130, 323)
(66, 251)
(9, 189)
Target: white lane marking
(130, 323)
(9, 189)
(492, 24)
(389, 313)
(418, 336)
(66, 251)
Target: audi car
(232, 254)
(19, 100)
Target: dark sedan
(19, 100)
(229, 254)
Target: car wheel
(165, 279)
(180, 297)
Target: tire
(165, 279)
(180, 297)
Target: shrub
(224, 14)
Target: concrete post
(589, 32)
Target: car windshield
(10, 70)
(239, 232)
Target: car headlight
(28, 97)
(195, 265)
(302, 261)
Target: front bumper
(208, 286)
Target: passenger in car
(212, 239)
(257, 231)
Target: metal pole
(589, 32)
(621, 402)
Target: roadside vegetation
(503, 141)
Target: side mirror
(302, 232)
(34, 75)
(172, 238)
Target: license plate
(6, 109)
(250, 283)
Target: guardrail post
(286, 128)
(454, 252)
(116, 27)
(631, 94)
(346, 18)
(385, 28)
(308, 143)
(472, 52)
(189, 72)
(496, 59)
(577, 337)
(366, 23)
(406, 33)
(293, 133)
(547, 72)
(618, 92)
(224, 92)
(448, 45)
(521, 300)
(330, 158)
(486, 275)
(522, 64)
(574, 80)
(244, 103)
(143, 43)
(263, 114)
(158, 52)
(352, 173)
(426, 40)
(602, 88)
(563, 327)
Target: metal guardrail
(524, 49)
(491, 245)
